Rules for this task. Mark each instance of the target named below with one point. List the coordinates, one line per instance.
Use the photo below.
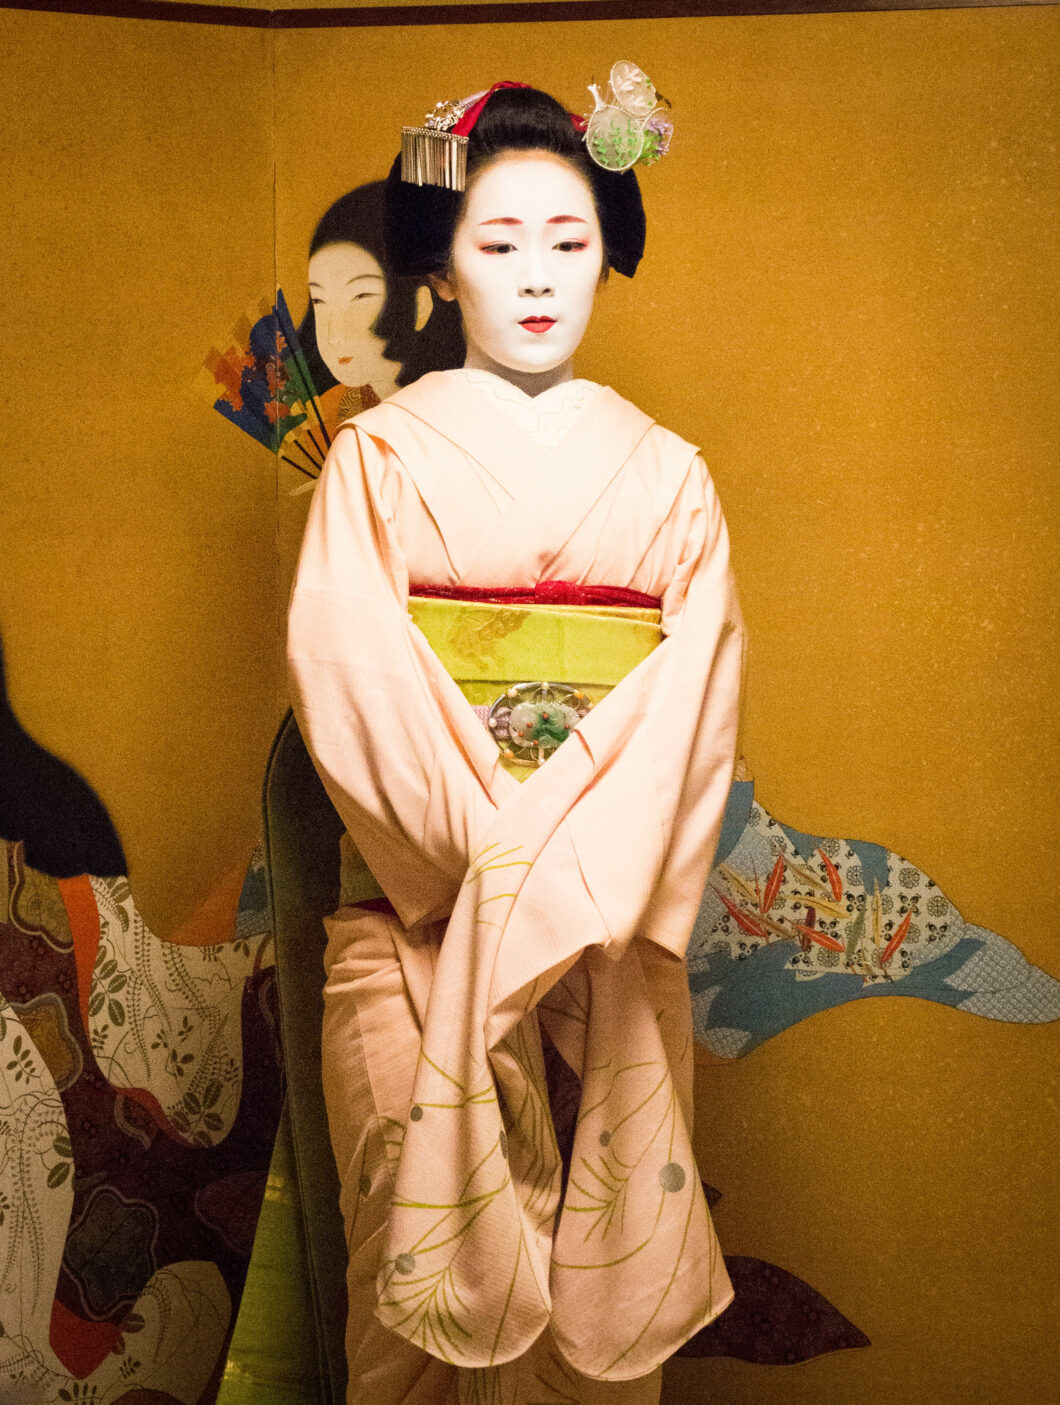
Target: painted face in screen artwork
(525, 267)
(347, 288)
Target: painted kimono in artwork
(563, 903)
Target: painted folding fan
(266, 389)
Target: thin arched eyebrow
(556, 219)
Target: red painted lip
(537, 324)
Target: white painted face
(525, 267)
(348, 289)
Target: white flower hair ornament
(631, 124)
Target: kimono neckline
(546, 418)
(469, 374)
(549, 491)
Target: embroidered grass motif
(603, 1180)
(433, 1302)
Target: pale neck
(529, 382)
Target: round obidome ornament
(531, 720)
(631, 123)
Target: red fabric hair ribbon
(471, 116)
(464, 126)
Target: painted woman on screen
(367, 330)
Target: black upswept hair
(358, 218)
(421, 220)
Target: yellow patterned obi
(487, 649)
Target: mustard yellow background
(849, 302)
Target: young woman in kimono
(506, 521)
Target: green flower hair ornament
(631, 124)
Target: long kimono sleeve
(664, 745)
(409, 768)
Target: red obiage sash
(543, 593)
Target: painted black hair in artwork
(61, 822)
(358, 218)
(420, 220)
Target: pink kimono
(564, 902)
